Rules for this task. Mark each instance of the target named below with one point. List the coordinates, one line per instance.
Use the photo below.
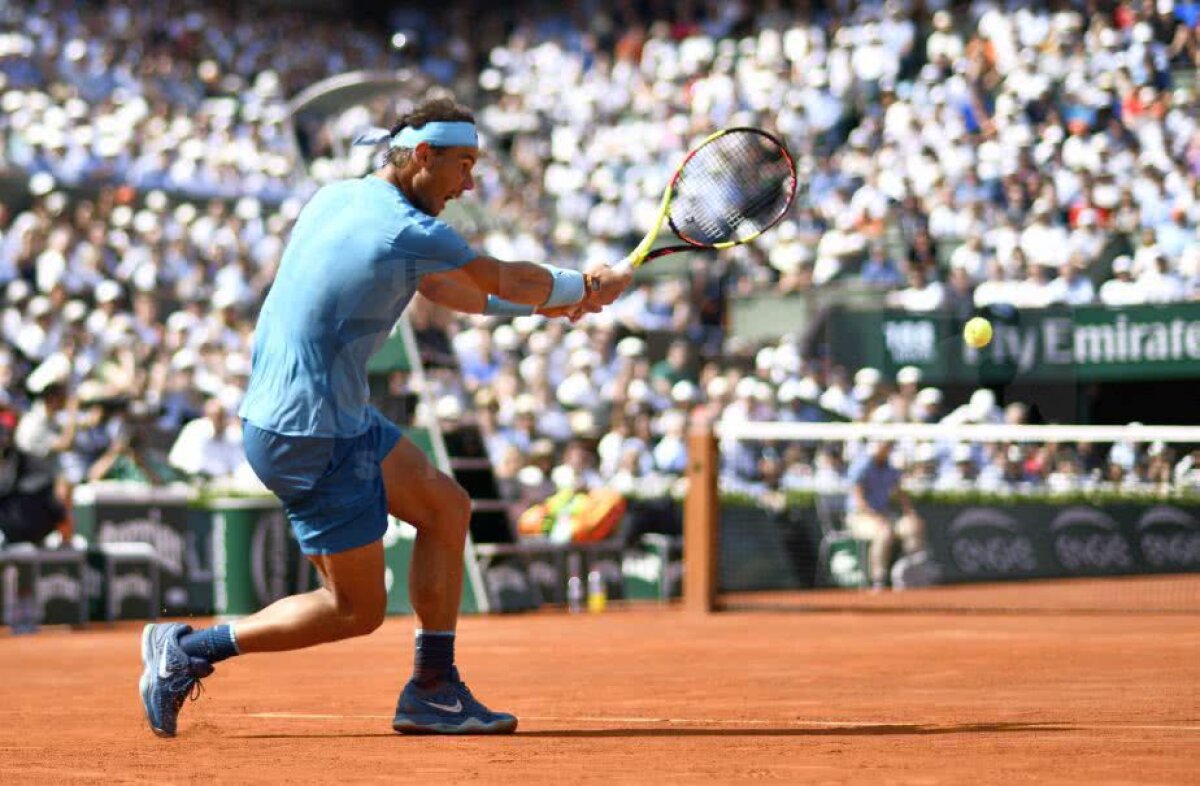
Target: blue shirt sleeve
(434, 243)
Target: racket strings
(732, 188)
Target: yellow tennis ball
(977, 332)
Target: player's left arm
(456, 290)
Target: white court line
(755, 722)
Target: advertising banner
(1091, 343)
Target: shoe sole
(469, 726)
(147, 680)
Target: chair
(831, 516)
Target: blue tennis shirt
(878, 483)
(356, 255)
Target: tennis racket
(732, 187)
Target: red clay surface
(647, 695)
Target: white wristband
(568, 289)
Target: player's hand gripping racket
(732, 187)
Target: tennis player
(358, 252)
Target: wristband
(568, 288)
(499, 307)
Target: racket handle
(625, 265)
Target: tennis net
(999, 517)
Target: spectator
(1071, 287)
(875, 482)
(879, 270)
(29, 508)
(1158, 283)
(1121, 290)
(209, 446)
(923, 293)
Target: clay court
(652, 695)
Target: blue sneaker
(448, 708)
(169, 675)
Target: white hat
(531, 476)
(1122, 264)
(181, 321)
(981, 404)
(107, 291)
(867, 377)
(925, 452)
(717, 387)
(746, 387)
(184, 359)
(631, 347)
(583, 358)
(563, 477)
(789, 391)
(962, 452)
(638, 390)
(685, 391)
(538, 342)
(673, 420)
(765, 358)
(223, 298)
(448, 407)
(909, 375)
(573, 391)
(929, 396)
(39, 306)
(505, 338)
(17, 291)
(525, 404)
(527, 324)
(576, 339)
(75, 311)
(583, 422)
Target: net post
(700, 520)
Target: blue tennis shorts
(331, 487)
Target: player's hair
(439, 108)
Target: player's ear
(423, 153)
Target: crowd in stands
(951, 155)
(534, 386)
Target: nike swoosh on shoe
(456, 707)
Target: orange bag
(597, 514)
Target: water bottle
(597, 592)
(25, 617)
(575, 594)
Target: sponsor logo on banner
(59, 586)
(1087, 539)
(1169, 537)
(130, 585)
(911, 340)
(269, 557)
(167, 542)
(987, 541)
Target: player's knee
(455, 513)
(370, 620)
(365, 619)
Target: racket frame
(642, 253)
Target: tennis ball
(977, 332)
